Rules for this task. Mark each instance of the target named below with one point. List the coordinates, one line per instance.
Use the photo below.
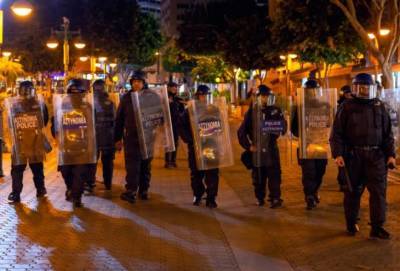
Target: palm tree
(9, 71)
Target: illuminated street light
(292, 56)
(371, 36)
(52, 43)
(384, 32)
(79, 44)
(22, 8)
(113, 65)
(6, 53)
(282, 57)
(83, 58)
(102, 59)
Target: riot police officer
(105, 111)
(28, 117)
(74, 126)
(209, 177)
(345, 93)
(362, 144)
(138, 170)
(258, 133)
(313, 169)
(176, 107)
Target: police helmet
(26, 89)
(265, 91)
(202, 90)
(99, 86)
(76, 86)
(312, 88)
(137, 76)
(363, 86)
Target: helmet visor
(364, 91)
(268, 100)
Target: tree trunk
(387, 79)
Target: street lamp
(22, 8)
(52, 43)
(83, 58)
(6, 54)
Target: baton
(348, 182)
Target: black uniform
(105, 125)
(313, 170)
(211, 176)
(362, 135)
(272, 169)
(176, 108)
(17, 171)
(138, 170)
(75, 143)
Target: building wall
(151, 6)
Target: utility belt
(365, 148)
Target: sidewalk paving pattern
(168, 233)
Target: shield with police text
(153, 121)
(391, 100)
(268, 123)
(211, 136)
(316, 109)
(25, 121)
(75, 128)
(105, 105)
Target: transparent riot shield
(211, 136)
(316, 109)
(105, 105)
(391, 100)
(26, 124)
(153, 121)
(75, 128)
(263, 128)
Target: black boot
(276, 203)
(311, 203)
(14, 197)
(379, 233)
(352, 229)
(196, 201)
(129, 196)
(41, 192)
(211, 203)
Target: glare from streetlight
(371, 36)
(384, 32)
(113, 65)
(292, 56)
(6, 54)
(102, 59)
(80, 45)
(52, 43)
(282, 57)
(83, 58)
(22, 8)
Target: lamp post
(65, 33)
(20, 8)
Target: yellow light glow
(371, 36)
(98, 65)
(83, 58)
(292, 56)
(102, 59)
(282, 57)
(113, 65)
(384, 32)
(22, 8)
(115, 79)
(52, 45)
(80, 45)
(6, 54)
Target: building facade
(151, 6)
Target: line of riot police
(88, 127)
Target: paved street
(168, 233)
